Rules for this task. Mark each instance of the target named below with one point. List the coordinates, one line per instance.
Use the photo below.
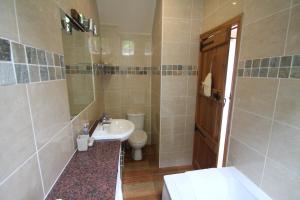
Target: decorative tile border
(22, 64)
(117, 70)
(273, 67)
(83, 69)
(164, 70)
(179, 70)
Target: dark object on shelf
(75, 24)
(75, 15)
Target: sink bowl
(119, 129)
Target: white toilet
(138, 138)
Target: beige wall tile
(188, 142)
(197, 9)
(279, 182)
(192, 85)
(269, 33)
(176, 30)
(194, 54)
(189, 124)
(112, 82)
(177, 8)
(288, 105)
(174, 86)
(50, 109)
(258, 9)
(112, 98)
(293, 41)
(251, 130)
(191, 105)
(35, 27)
(17, 141)
(296, 2)
(196, 25)
(210, 6)
(246, 160)
(173, 106)
(284, 147)
(24, 184)
(175, 54)
(8, 17)
(177, 158)
(172, 125)
(55, 155)
(171, 143)
(256, 95)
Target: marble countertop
(90, 175)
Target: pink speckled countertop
(90, 175)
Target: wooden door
(214, 53)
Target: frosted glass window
(127, 48)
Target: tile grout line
(39, 65)
(17, 21)
(17, 169)
(34, 138)
(253, 113)
(268, 16)
(270, 135)
(248, 146)
(27, 65)
(63, 169)
(291, 67)
(53, 137)
(13, 62)
(288, 27)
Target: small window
(127, 48)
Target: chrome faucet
(104, 119)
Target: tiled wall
(264, 142)
(128, 93)
(181, 23)
(37, 136)
(127, 79)
(22, 64)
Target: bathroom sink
(119, 129)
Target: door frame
(236, 20)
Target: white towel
(207, 85)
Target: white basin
(119, 129)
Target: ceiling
(132, 16)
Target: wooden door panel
(214, 57)
(206, 156)
(219, 69)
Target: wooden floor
(143, 180)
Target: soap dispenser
(85, 129)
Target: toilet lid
(138, 137)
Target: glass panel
(78, 69)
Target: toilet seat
(138, 137)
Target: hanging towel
(206, 84)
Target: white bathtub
(211, 184)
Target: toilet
(138, 138)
